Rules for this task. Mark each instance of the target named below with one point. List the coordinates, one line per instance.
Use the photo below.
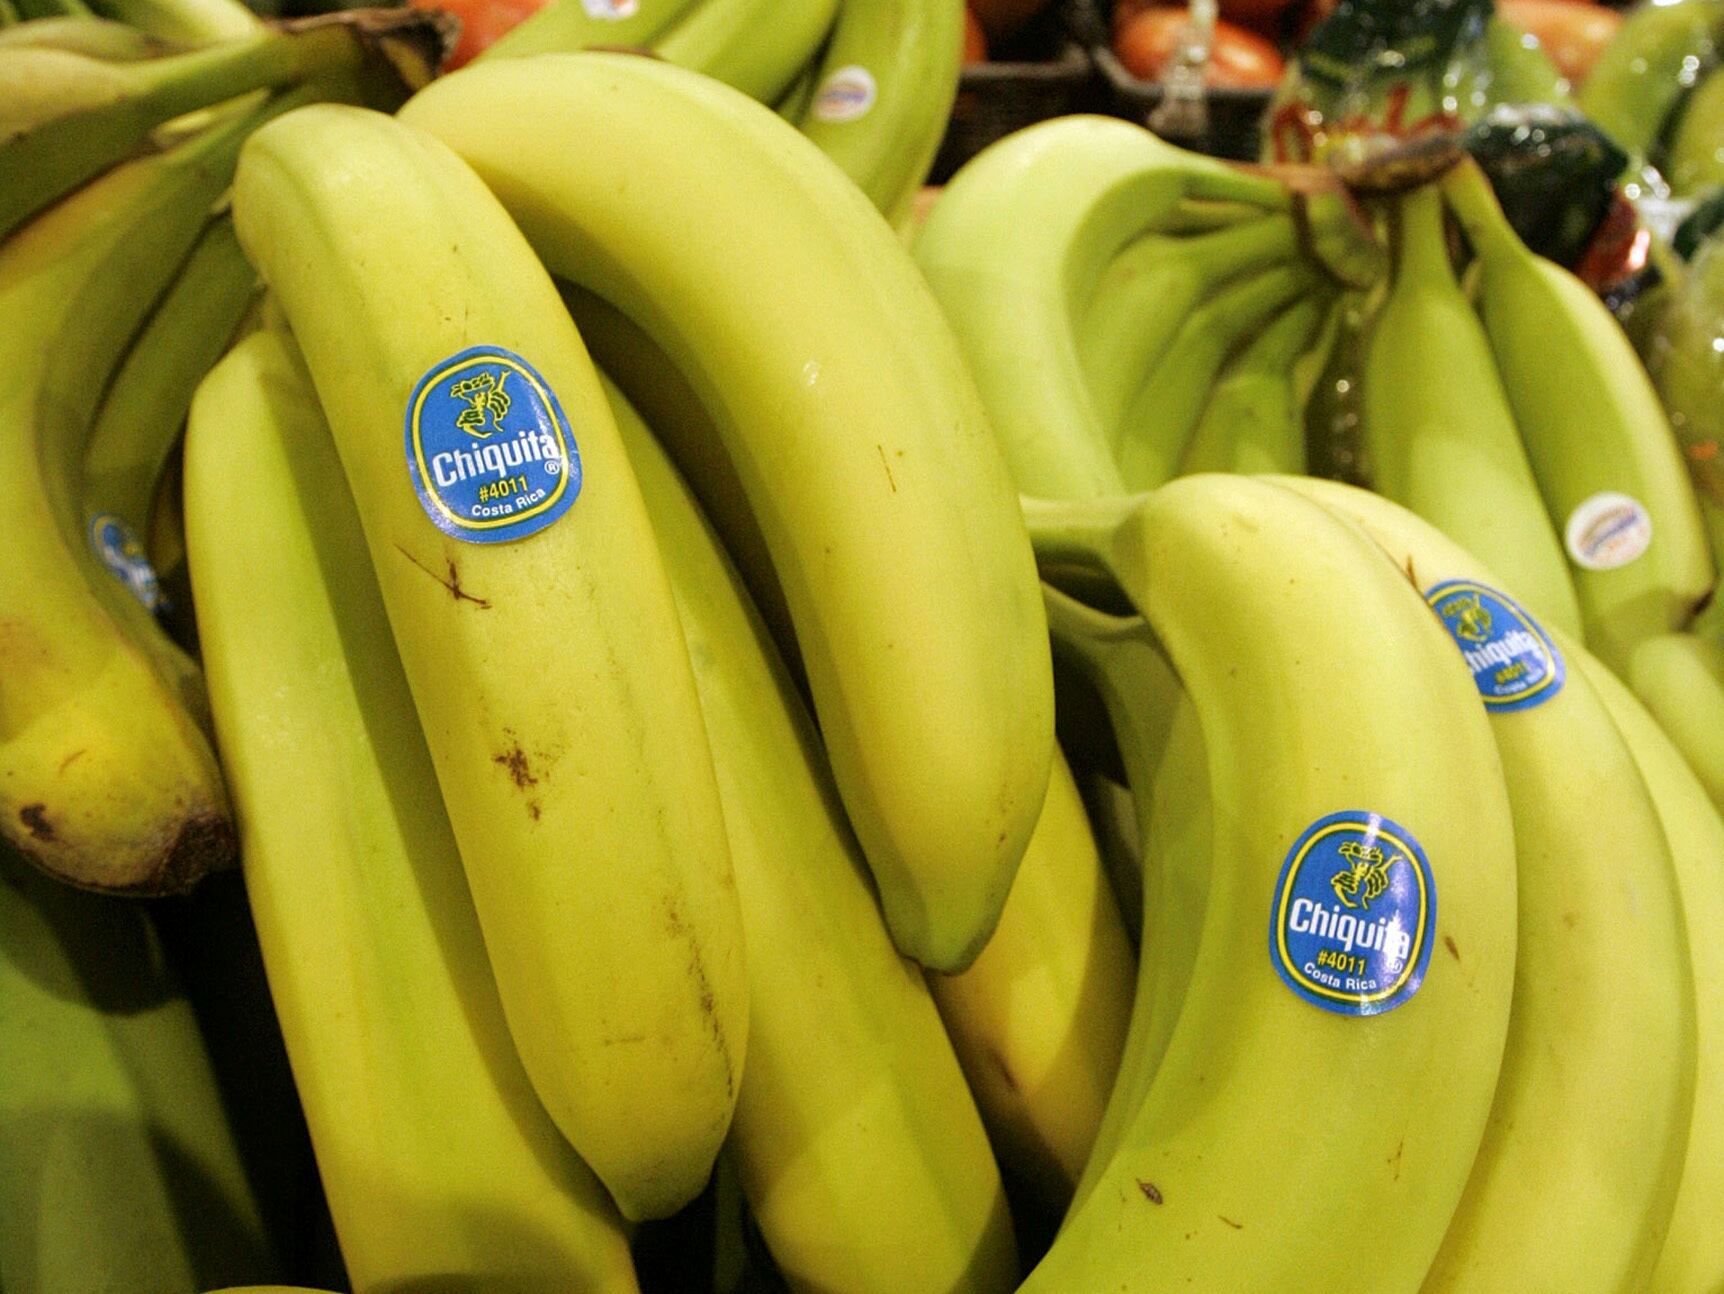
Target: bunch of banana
(123, 282)
(1132, 310)
(870, 81)
(1658, 91)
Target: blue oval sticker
(118, 547)
(489, 448)
(1514, 663)
(1354, 916)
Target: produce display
(602, 689)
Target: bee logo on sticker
(119, 549)
(489, 449)
(1514, 664)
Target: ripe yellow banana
(118, 1167)
(535, 626)
(1567, 1196)
(105, 776)
(1680, 679)
(1439, 430)
(1599, 442)
(756, 46)
(438, 1161)
(882, 94)
(1040, 1018)
(851, 424)
(1692, 1261)
(857, 1143)
(1360, 819)
(1014, 249)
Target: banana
(105, 777)
(1649, 65)
(1600, 445)
(1040, 1018)
(536, 629)
(794, 101)
(1692, 1260)
(565, 25)
(856, 1141)
(755, 46)
(118, 1167)
(438, 1161)
(852, 426)
(884, 92)
(1680, 679)
(1439, 429)
(9, 15)
(66, 116)
(30, 10)
(1293, 1100)
(1603, 1019)
(191, 22)
(1159, 424)
(144, 410)
(1013, 250)
(1694, 162)
(1254, 418)
(88, 35)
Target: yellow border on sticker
(429, 384)
(1287, 962)
(1551, 673)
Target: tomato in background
(482, 22)
(975, 40)
(1239, 59)
(1573, 32)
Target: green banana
(564, 25)
(1650, 64)
(9, 15)
(1694, 159)
(105, 777)
(85, 34)
(1566, 1196)
(191, 22)
(1680, 679)
(586, 809)
(438, 1161)
(1013, 251)
(1261, 1098)
(883, 93)
(1516, 70)
(756, 46)
(1607, 464)
(1040, 1018)
(1159, 424)
(794, 101)
(32, 10)
(144, 410)
(850, 423)
(1254, 417)
(65, 117)
(851, 1083)
(1693, 1255)
(118, 1167)
(1439, 428)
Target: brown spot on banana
(450, 581)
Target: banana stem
(1077, 532)
(1423, 244)
(270, 59)
(1467, 189)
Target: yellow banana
(756, 46)
(1358, 806)
(535, 626)
(851, 424)
(1567, 1196)
(856, 1141)
(438, 1161)
(1040, 1018)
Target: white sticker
(610, 10)
(1608, 530)
(845, 95)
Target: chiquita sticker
(1514, 664)
(122, 552)
(845, 95)
(1354, 916)
(1608, 530)
(489, 448)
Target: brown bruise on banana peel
(450, 581)
(678, 929)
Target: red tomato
(1573, 32)
(482, 22)
(975, 40)
(1239, 59)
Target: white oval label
(1607, 531)
(845, 95)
